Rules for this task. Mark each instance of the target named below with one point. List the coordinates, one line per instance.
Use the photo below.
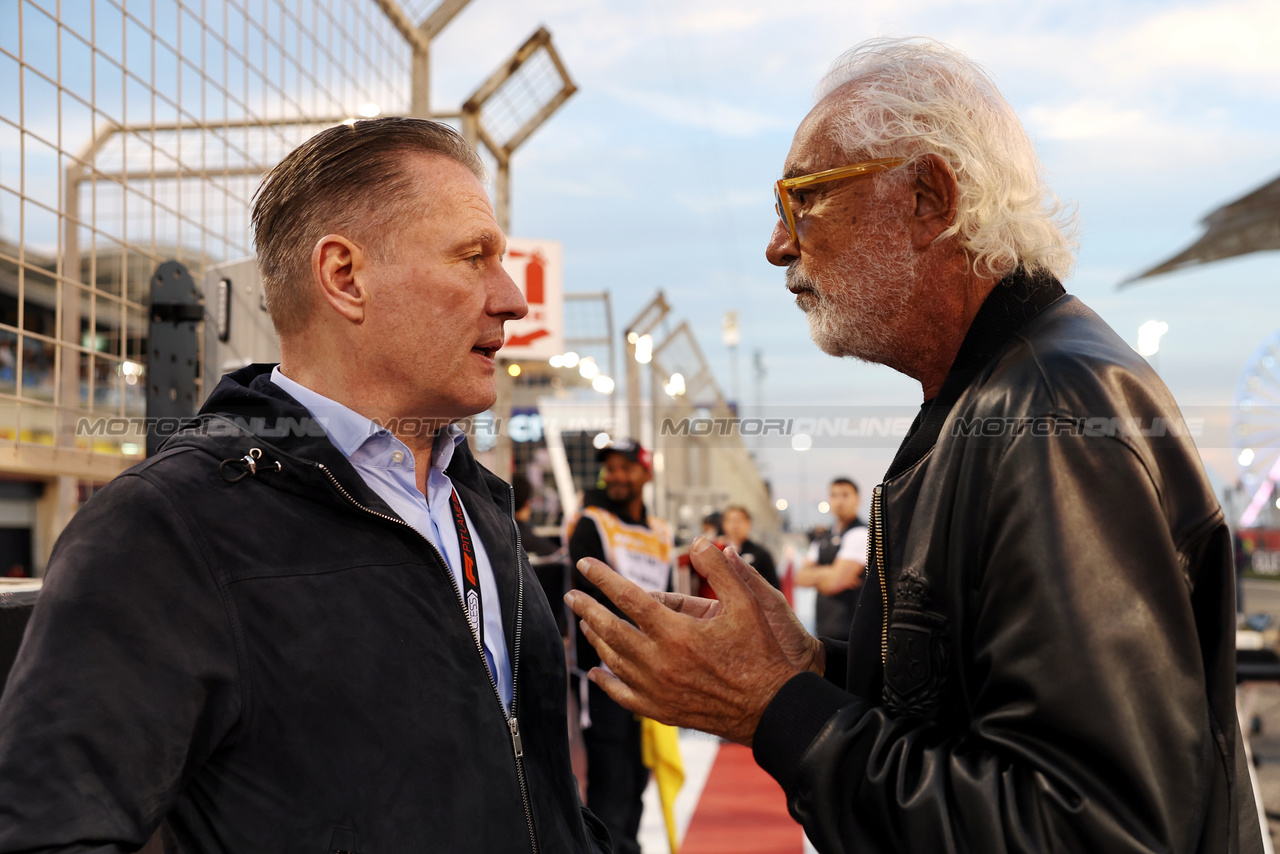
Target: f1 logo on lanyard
(470, 583)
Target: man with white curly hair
(1043, 655)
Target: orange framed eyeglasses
(784, 186)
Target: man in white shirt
(836, 563)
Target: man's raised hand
(703, 664)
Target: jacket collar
(1016, 299)
(247, 410)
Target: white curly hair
(913, 96)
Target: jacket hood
(247, 411)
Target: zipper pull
(513, 724)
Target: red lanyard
(470, 582)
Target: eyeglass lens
(777, 206)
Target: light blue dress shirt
(387, 467)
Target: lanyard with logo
(470, 583)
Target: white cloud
(1240, 40)
(1122, 54)
(1088, 118)
(701, 112)
(721, 19)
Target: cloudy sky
(658, 173)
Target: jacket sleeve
(126, 680)
(1087, 725)
(598, 839)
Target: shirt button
(397, 456)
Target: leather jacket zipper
(513, 722)
(876, 546)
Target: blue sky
(658, 172)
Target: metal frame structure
(644, 324)
(510, 93)
(131, 134)
(693, 474)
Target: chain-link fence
(133, 133)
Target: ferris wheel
(1255, 427)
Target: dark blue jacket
(278, 664)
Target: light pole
(802, 442)
(639, 344)
(758, 364)
(731, 337)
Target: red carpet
(742, 811)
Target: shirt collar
(447, 441)
(348, 430)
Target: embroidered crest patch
(916, 653)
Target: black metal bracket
(173, 349)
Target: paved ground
(1262, 596)
(1266, 749)
(1262, 702)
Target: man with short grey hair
(1042, 658)
(307, 624)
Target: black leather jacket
(1050, 666)
(278, 664)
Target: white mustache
(797, 281)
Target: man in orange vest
(615, 527)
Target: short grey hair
(911, 97)
(349, 179)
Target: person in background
(547, 558)
(737, 533)
(617, 528)
(550, 563)
(836, 563)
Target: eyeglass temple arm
(842, 171)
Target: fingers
(599, 622)
(621, 693)
(714, 567)
(622, 667)
(608, 656)
(671, 601)
(692, 606)
(632, 599)
(754, 581)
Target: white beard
(856, 302)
